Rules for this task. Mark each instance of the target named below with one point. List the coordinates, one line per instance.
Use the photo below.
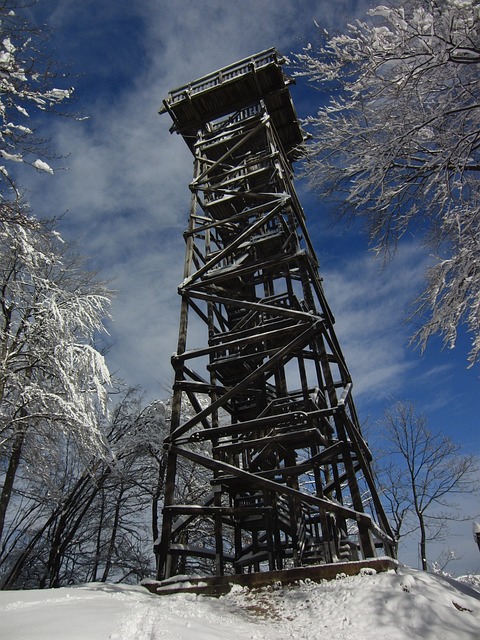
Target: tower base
(220, 585)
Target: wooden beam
(218, 585)
(309, 436)
(235, 243)
(257, 481)
(245, 383)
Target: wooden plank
(235, 243)
(198, 552)
(228, 337)
(255, 335)
(219, 585)
(257, 424)
(318, 459)
(272, 310)
(200, 510)
(303, 436)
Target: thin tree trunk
(156, 498)
(423, 542)
(12, 469)
(99, 541)
(65, 533)
(113, 537)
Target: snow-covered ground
(389, 606)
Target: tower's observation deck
(234, 89)
(267, 467)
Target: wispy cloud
(371, 305)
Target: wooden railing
(224, 75)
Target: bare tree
(423, 472)
(398, 142)
(90, 518)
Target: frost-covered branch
(26, 89)
(52, 379)
(398, 143)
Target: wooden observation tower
(271, 426)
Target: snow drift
(394, 605)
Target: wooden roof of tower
(234, 88)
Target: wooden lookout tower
(262, 409)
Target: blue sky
(123, 183)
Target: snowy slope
(388, 606)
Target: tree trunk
(98, 545)
(423, 542)
(74, 511)
(12, 469)
(156, 498)
(113, 537)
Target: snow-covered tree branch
(52, 379)
(399, 143)
(27, 86)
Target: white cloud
(370, 306)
